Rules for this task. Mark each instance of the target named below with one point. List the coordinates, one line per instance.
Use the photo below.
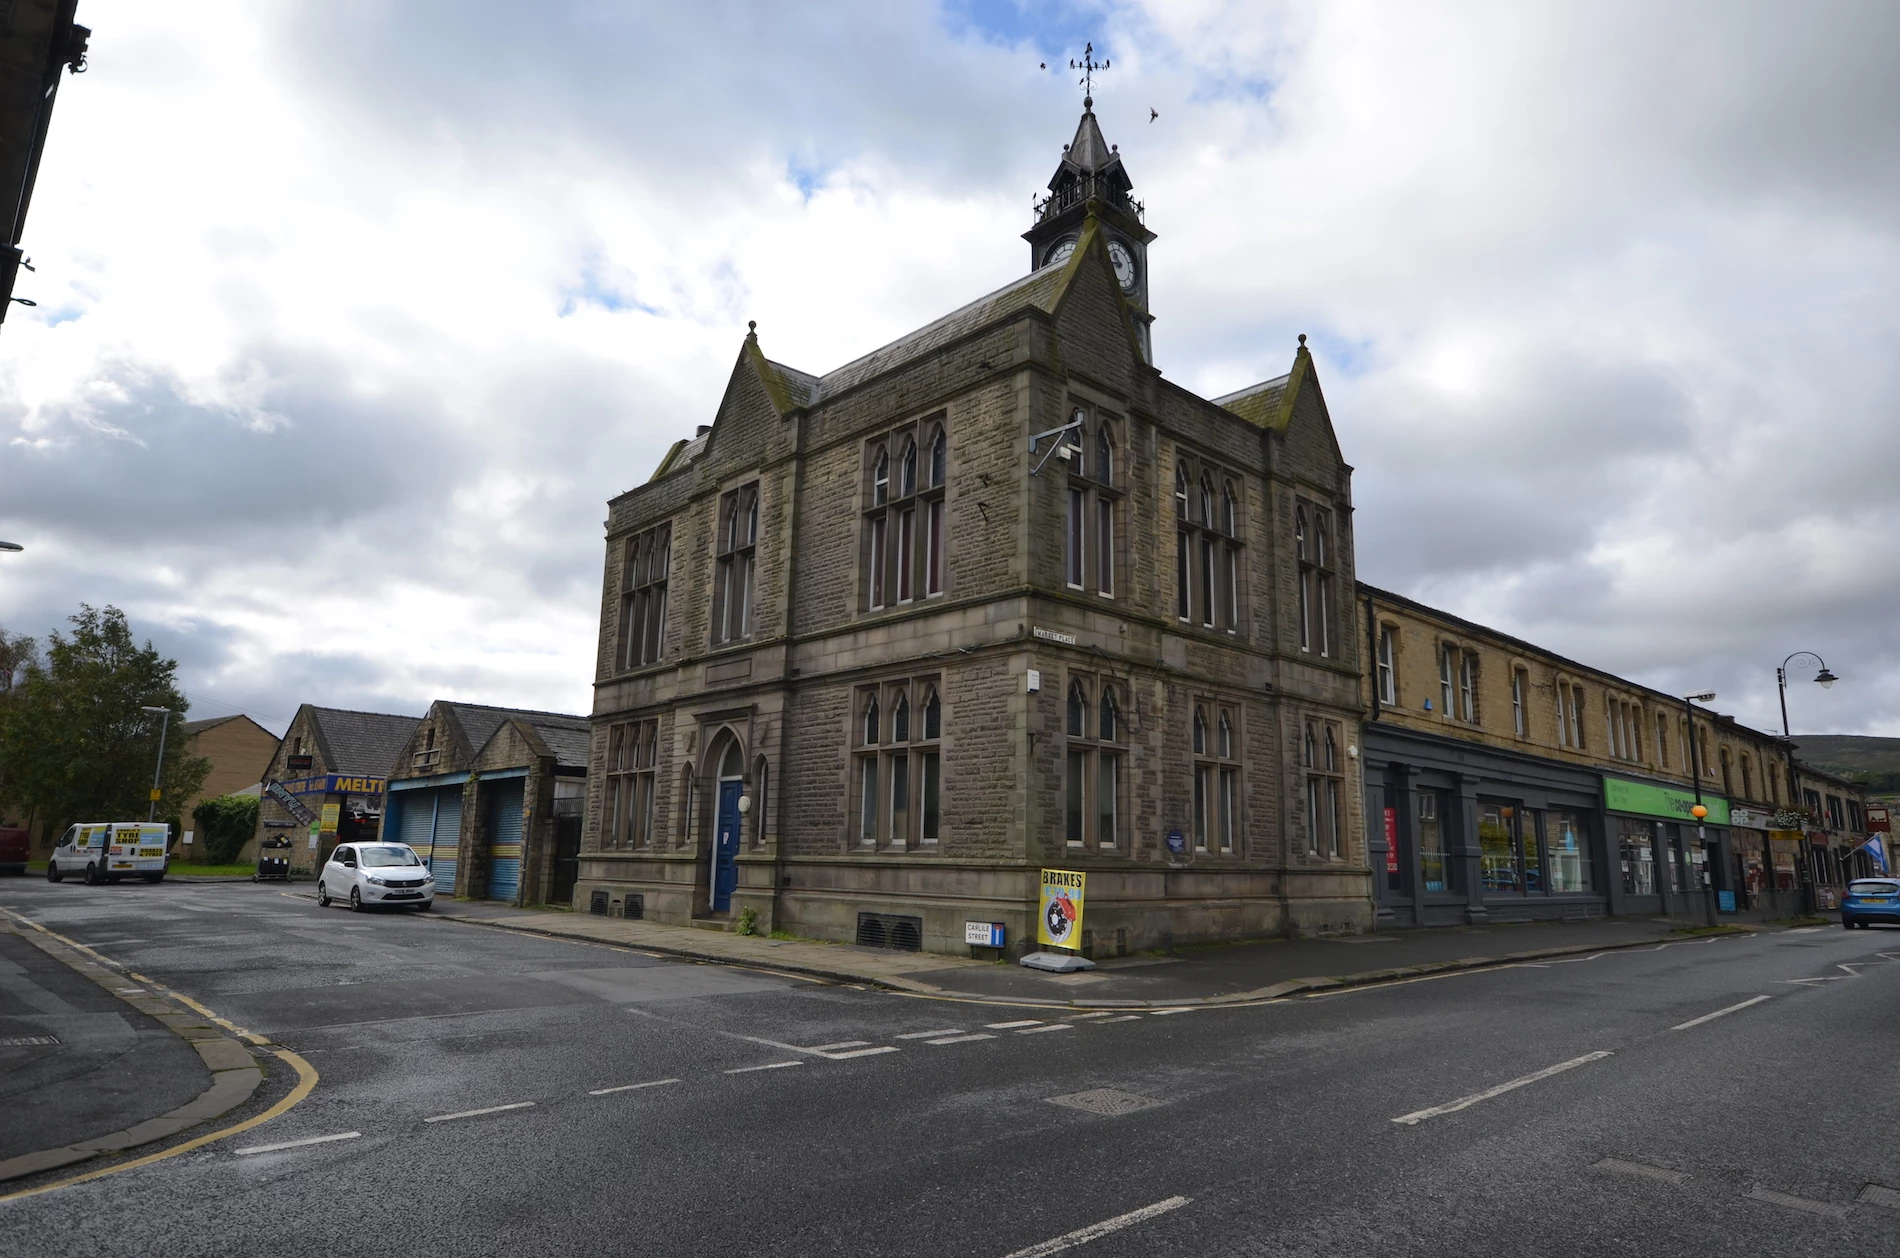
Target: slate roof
(566, 735)
(361, 743)
(189, 728)
(1258, 404)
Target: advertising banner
(1059, 924)
(1391, 840)
(1649, 800)
(330, 814)
(1879, 820)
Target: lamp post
(1824, 679)
(158, 770)
(1695, 775)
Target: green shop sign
(1622, 795)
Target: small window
(870, 723)
(939, 458)
(1227, 513)
(881, 480)
(1104, 456)
(933, 715)
(1200, 732)
(900, 719)
(1226, 738)
(1180, 493)
(1111, 719)
(1078, 711)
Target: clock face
(1124, 265)
(1060, 253)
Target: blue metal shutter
(448, 837)
(414, 812)
(504, 842)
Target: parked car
(13, 851)
(1871, 900)
(106, 851)
(368, 874)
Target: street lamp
(165, 719)
(11, 546)
(1825, 680)
(1695, 764)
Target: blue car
(1871, 900)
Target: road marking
(1011, 1026)
(1127, 1017)
(1053, 1026)
(1710, 1017)
(1643, 1169)
(827, 1048)
(1082, 1017)
(1162, 1013)
(862, 1052)
(632, 1087)
(770, 1065)
(1095, 1231)
(1803, 1204)
(925, 1035)
(296, 1144)
(1803, 930)
(961, 1039)
(1418, 1116)
(476, 1113)
(1879, 1195)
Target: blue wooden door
(726, 847)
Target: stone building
(878, 645)
(239, 750)
(1508, 783)
(490, 798)
(324, 785)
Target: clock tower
(1091, 179)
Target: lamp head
(745, 804)
(1825, 678)
(1698, 812)
(154, 711)
(1701, 696)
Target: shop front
(1471, 834)
(1668, 861)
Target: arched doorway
(729, 791)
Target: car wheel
(52, 872)
(92, 875)
(356, 900)
(425, 906)
(323, 896)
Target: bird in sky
(1153, 113)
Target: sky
(353, 314)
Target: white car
(368, 874)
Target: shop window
(903, 527)
(643, 575)
(1433, 868)
(1636, 847)
(737, 553)
(1567, 845)
(1498, 843)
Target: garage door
(415, 819)
(504, 842)
(446, 837)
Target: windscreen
(1872, 887)
(381, 856)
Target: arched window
(1200, 731)
(1299, 534)
(1078, 711)
(939, 457)
(900, 719)
(1332, 752)
(907, 470)
(751, 519)
(1180, 492)
(933, 715)
(1104, 456)
(1320, 545)
(1111, 718)
(1307, 757)
(870, 723)
(1227, 510)
(731, 763)
(1207, 502)
(1226, 738)
(881, 479)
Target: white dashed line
(1127, 1017)
(1053, 1026)
(1095, 1231)
(1011, 1026)
(476, 1113)
(926, 1035)
(770, 1065)
(832, 1048)
(1162, 1013)
(1452, 1107)
(961, 1039)
(861, 1052)
(296, 1144)
(1710, 1017)
(632, 1087)
(1789, 1202)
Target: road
(512, 1095)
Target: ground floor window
(1498, 830)
(1636, 843)
(1569, 848)
(1432, 868)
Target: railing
(1081, 190)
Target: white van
(106, 851)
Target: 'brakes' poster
(1060, 922)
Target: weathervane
(1088, 65)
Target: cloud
(367, 309)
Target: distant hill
(1856, 754)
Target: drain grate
(27, 1041)
(1103, 1101)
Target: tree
(226, 825)
(74, 744)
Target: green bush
(225, 825)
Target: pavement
(499, 1092)
(1221, 974)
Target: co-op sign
(334, 784)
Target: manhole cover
(23, 1041)
(1104, 1101)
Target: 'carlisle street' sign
(1060, 923)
